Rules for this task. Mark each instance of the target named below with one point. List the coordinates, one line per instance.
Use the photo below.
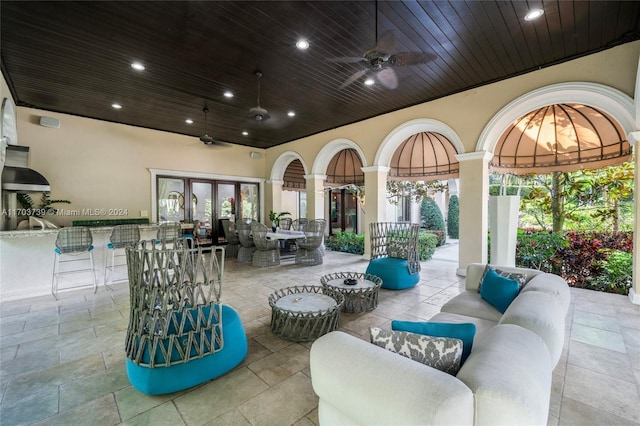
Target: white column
(375, 202)
(503, 221)
(315, 196)
(634, 293)
(474, 196)
(273, 197)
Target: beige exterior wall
(101, 165)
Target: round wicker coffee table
(360, 291)
(304, 313)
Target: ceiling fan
(379, 61)
(258, 113)
(206, 139)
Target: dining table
(287, 248)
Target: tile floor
(63, 362)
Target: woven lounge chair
(309, 252)
(180, 334)
(233, 244)
(394, 254)
(267, 251)
(247, 247)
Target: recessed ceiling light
(245, 133)
(228, 94)
(116, 106)
(302, 44)
(369, 82)
(291, 114)
(188, 121)
(534, 14)
(137, 66)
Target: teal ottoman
(394, 273)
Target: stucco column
(273, 197)
(375, 200)
(315, 196)
(634, 292)
(474, 199)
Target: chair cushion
(437, 352)
(499, 291)
(161, 380)
(463, 331)
(394, 273)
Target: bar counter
(26, 261)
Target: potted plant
(274, 217)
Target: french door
(343, 211)
(208, 202)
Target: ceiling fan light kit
(206, 139)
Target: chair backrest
(285, 223)
(259, 233)
(243, 226)
(125, 236)
(74, 239)
(395, 239)
(230, 231)
(315, 228)
(175, 304)
(299, 224)
(169, 232)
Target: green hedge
(350, 242)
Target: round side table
(360, 291)
(304, 313)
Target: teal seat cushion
(393, 272)
(463, 331)
(499, 291)
(161, 380)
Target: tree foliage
(593, 195)
(414, 191)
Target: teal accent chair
(180, 334)
(394, 254)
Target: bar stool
(168, 233)
(122, 236)
(71, 244)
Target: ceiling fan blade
(347, 59)
(353, 78)
(401, 59)
(388, 78)
(386, 41)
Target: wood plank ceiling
(74, 57)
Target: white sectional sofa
(506, 380)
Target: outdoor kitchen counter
(26, 260)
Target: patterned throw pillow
(520, 278)
(437, 352)
(397, 249)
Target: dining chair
(247, 247)
(267, 251)
(308, 252)
(231, 235)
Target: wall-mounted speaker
(50, 122)
(255, 154)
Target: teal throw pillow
(499, 291)
(463, 331)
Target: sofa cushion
(499, 291)
(551, 284)
(482, 325)
(437, 352)
(462, 331)
(509, 372)
(470, 303)
(540, 313)
(475, 271)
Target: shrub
(441, 237)
(453, 217)
(426, 245)
(540, 250)
(586, 251)
(431, 217)
(615, 273)
(347, 242)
